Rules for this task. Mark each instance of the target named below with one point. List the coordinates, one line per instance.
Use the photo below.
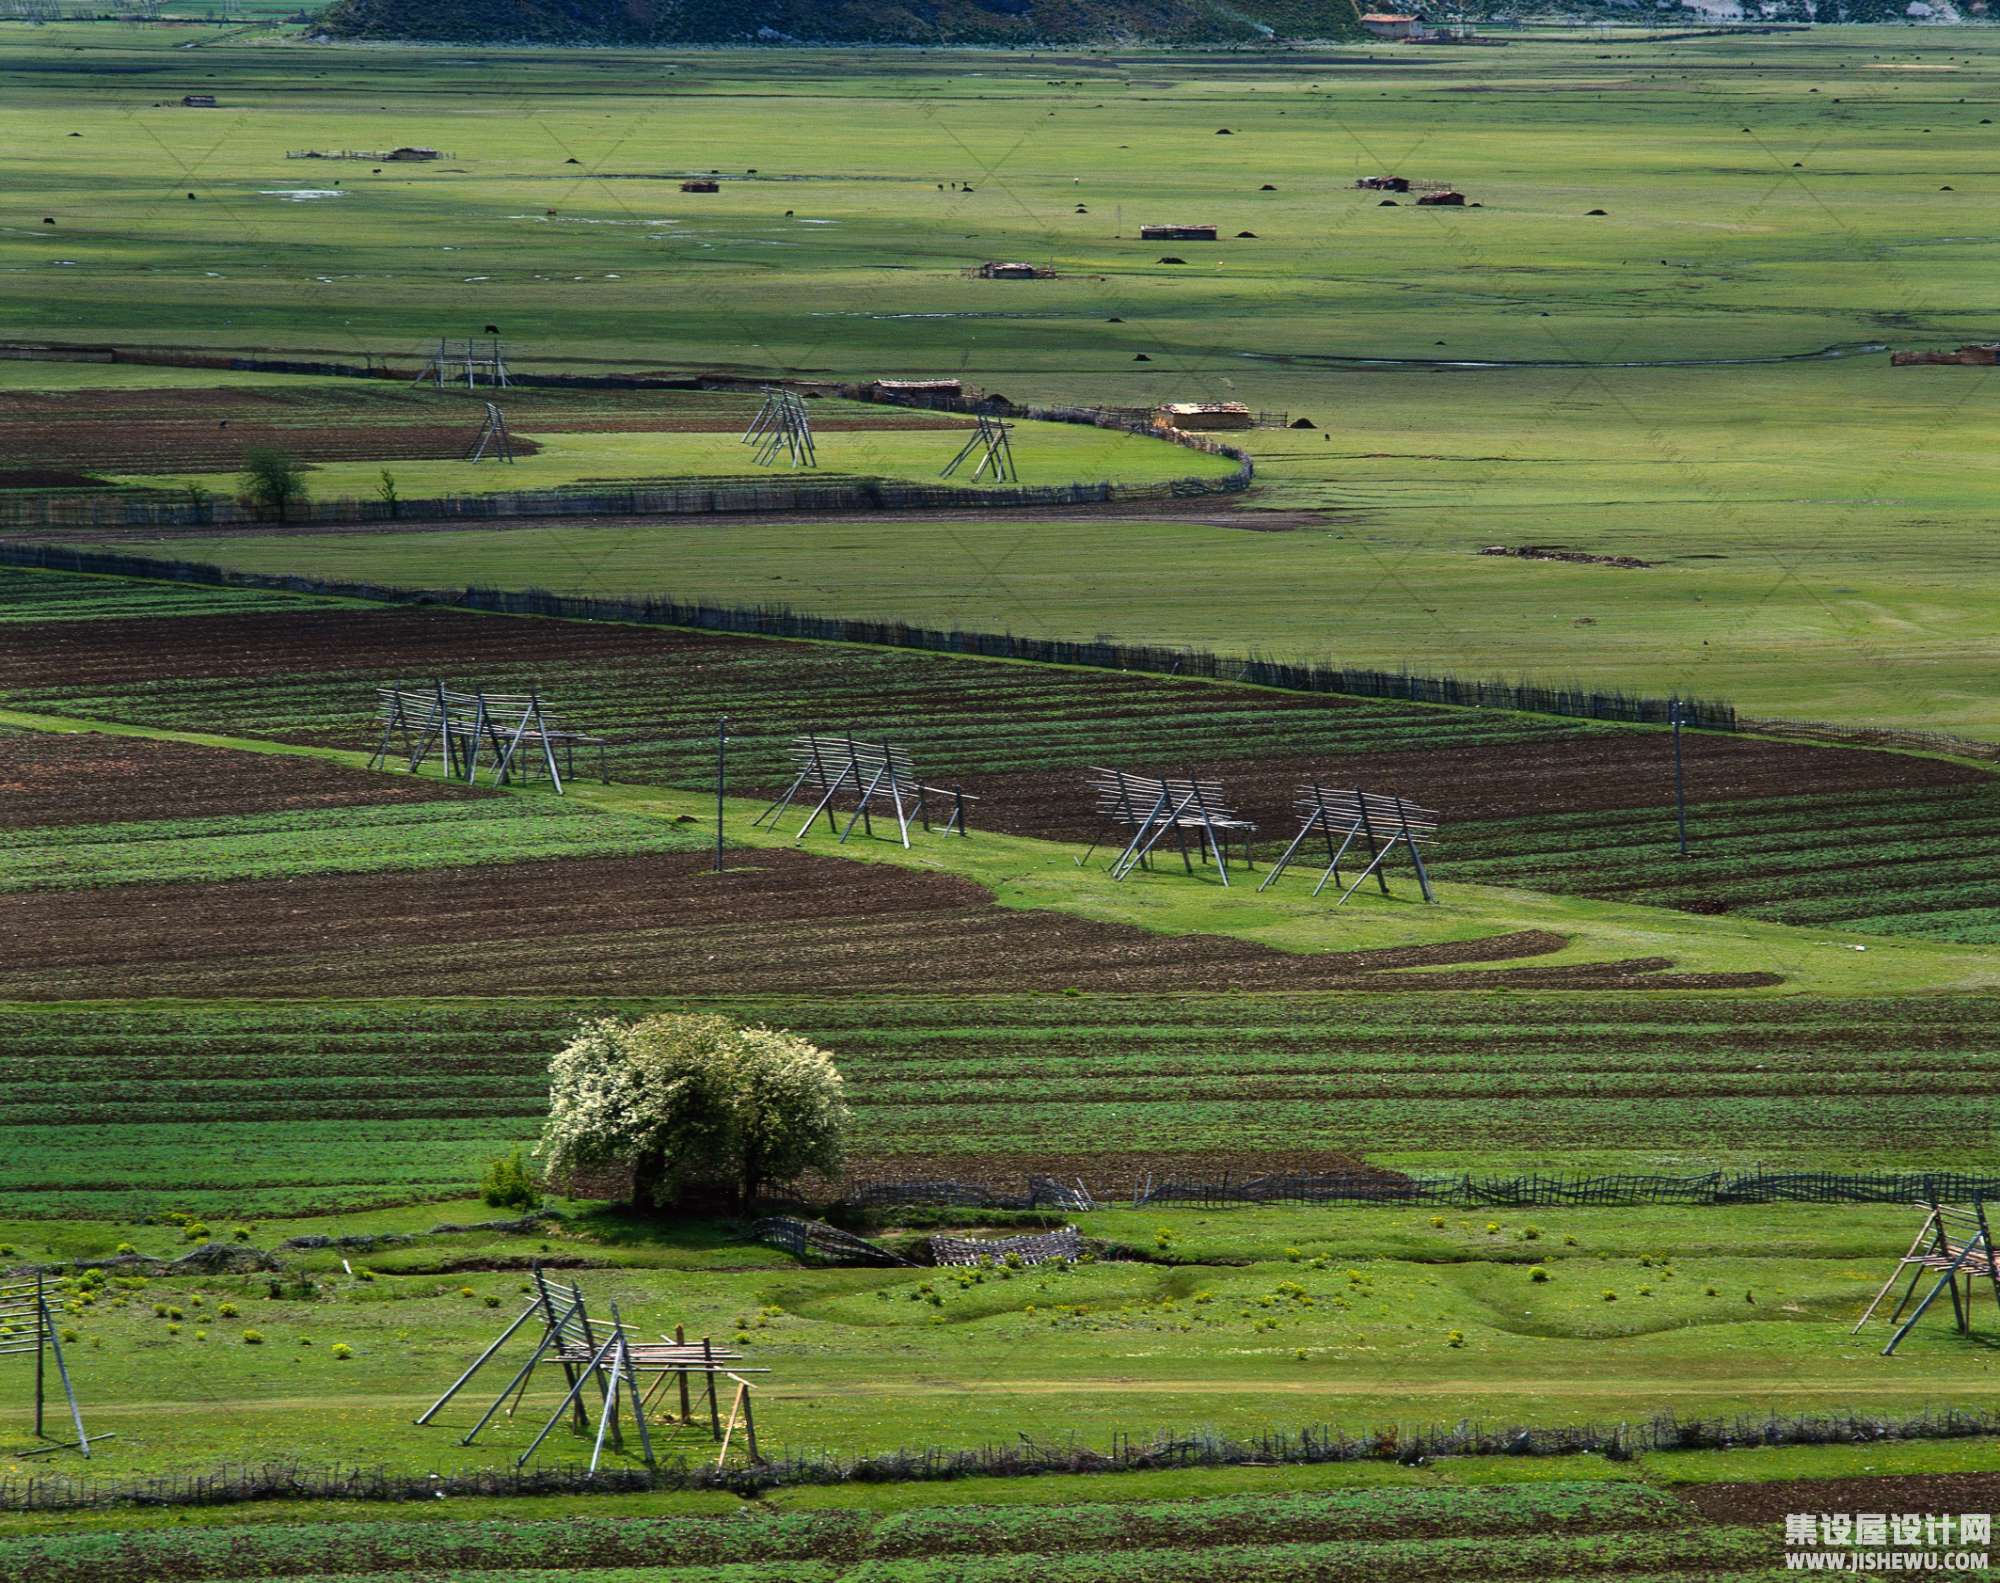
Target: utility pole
(1675, 711)
(721, 778)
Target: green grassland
(449, 834)
(1358, 1318)
(1817, 526)
(1052, 454)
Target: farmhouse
(1979, 354)
(701, 184)
(410, 155)
(198, 101)
(995, 270)
(916, 389)
(1391, 24)
(1177, 233)
(1447, 199)
(1384, 183)
(1203, 415)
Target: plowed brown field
(76, 778)
(776, 923)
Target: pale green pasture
(1820, 526)
(1045, 453)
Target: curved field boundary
(102, 511)
(778, 621)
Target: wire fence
(1877, 736)
(1458, 1191)
(779, 621)
(1205, 1448)
(118, 512)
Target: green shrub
(253, 1338)
(510, 1183)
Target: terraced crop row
(1917, 863)
(456, 831)
(1608, 1529)
(326, 1105)
(1798, 834)
(30, 598)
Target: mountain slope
(841, 21)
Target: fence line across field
(460, 728)
(1459, 1190)
(874, 774)
(1154, 807)
(1382, 823)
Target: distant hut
(999, 270)
(701, 184)
(1383, 183)
(1980, 354)
(198, 101)
(1204, 415)
(1446, 199)
(1177, 233)
(410, 154)
(916, 391)
(1391, 24)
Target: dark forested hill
(842, 21)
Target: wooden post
(1986, 1238)
(714, 1411)
(721, 776)
(1368, 835)
(750, 1424)
(1680, 785)
(41, 1346)
(687, 1412)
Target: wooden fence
(777, 621)
(1877, 736)
(814, 1241)
(1458, 1191)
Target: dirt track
(777, 923)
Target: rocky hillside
(1019, 22)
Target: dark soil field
(775, 923)
(49, 778)
(70, 434)
(1782, 830)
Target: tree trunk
(649, 1176)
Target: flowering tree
(688, 1101)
